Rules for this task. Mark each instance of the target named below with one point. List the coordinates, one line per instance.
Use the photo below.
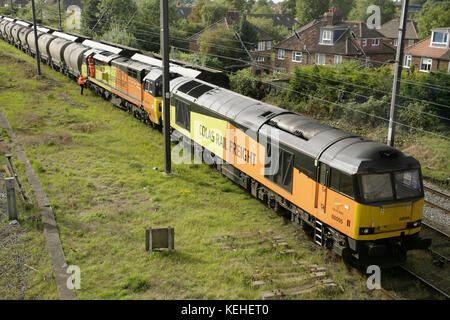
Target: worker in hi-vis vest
(82, 82)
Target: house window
(326, 36)
(320, 58)
(440, 38)
(261, 46)
(407, 63)
(364, 42)
(337, 59)
(269, 45)
(375, 42)
(281, 54)
(297, 56)
(395, 42)
(425, 64)
(410, 43)
(260, 59)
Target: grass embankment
(96, 164)
(25, 267)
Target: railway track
(431, 266)
(440, 195)
(434, 229)
(425, 281)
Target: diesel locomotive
(359, 198)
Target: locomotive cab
(389, 208)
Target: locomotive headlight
(364, 231)
(414, 224)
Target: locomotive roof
(127, 63)
(341, 150)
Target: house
(390, 32)
(331, 40)
(263, 50)
(20, 3)
(430, 54)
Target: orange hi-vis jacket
(91, 66)
(82, 80)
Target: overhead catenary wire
(315, 97)
(241, 50)
(335, 103)
(342, 90)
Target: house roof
(233, 17)
(390, 29)
(285, 20)
(20, 2)
(184, 12)
(344, 45)
(423, 49)
(214, 26)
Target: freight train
(361, 199)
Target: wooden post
(11, 196)
(170, 238)
(148, 239)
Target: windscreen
(377, 187)
(407, 184)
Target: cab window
(342, 183)
(407, 184)
(183, 114)
(280, 171)
(377, 187)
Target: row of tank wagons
(63, 52)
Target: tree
(307, 10)
(343, 6)
(241, 5)
(212, 12)
(266, 24)
(120, 36)
(263, 6)
(247, 32)
(388, 10)
(89, 15)
(116, 12)
(221, 42)
(145, 25)
(196, 14)
(432, 16)
(288, 7)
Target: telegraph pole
(59, 14)
(164, 4)
(397, 73)
(38, 61)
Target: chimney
(332, 16)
